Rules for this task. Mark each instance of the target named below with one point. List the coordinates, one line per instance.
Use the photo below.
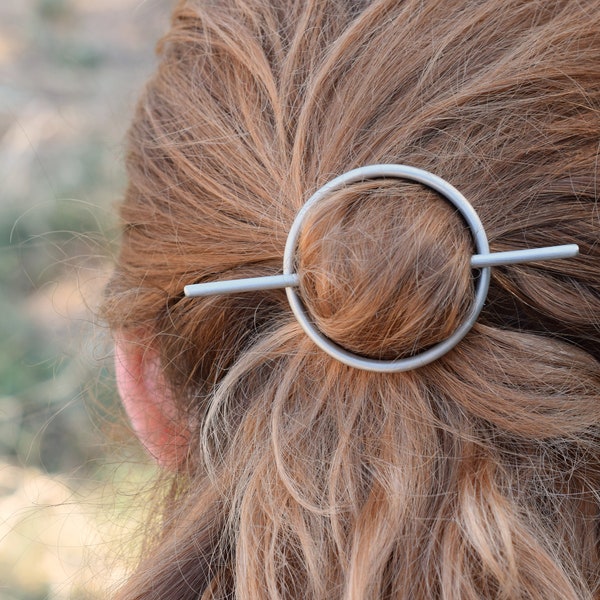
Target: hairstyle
(476, 476)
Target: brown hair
(476, 476)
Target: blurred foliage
(69, 74)
(53, 9)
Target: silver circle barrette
(483, 261)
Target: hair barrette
(483, 261)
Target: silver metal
(273, 282)
(250, 284)
(513, 257)
(483, 282)
(483, 260)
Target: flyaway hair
(474, 477)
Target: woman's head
(472, 477)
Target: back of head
(473, 477)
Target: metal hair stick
(249, 284)
(478, 261)
(513, 257)
(482, 260)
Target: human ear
(148, 401)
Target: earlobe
(149, 402)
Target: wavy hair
(477, 476)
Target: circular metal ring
(481, 243)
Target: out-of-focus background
(70, 72)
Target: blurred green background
(70, 71)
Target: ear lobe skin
(148, 401)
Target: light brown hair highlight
(476, 476)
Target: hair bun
(384, 268)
